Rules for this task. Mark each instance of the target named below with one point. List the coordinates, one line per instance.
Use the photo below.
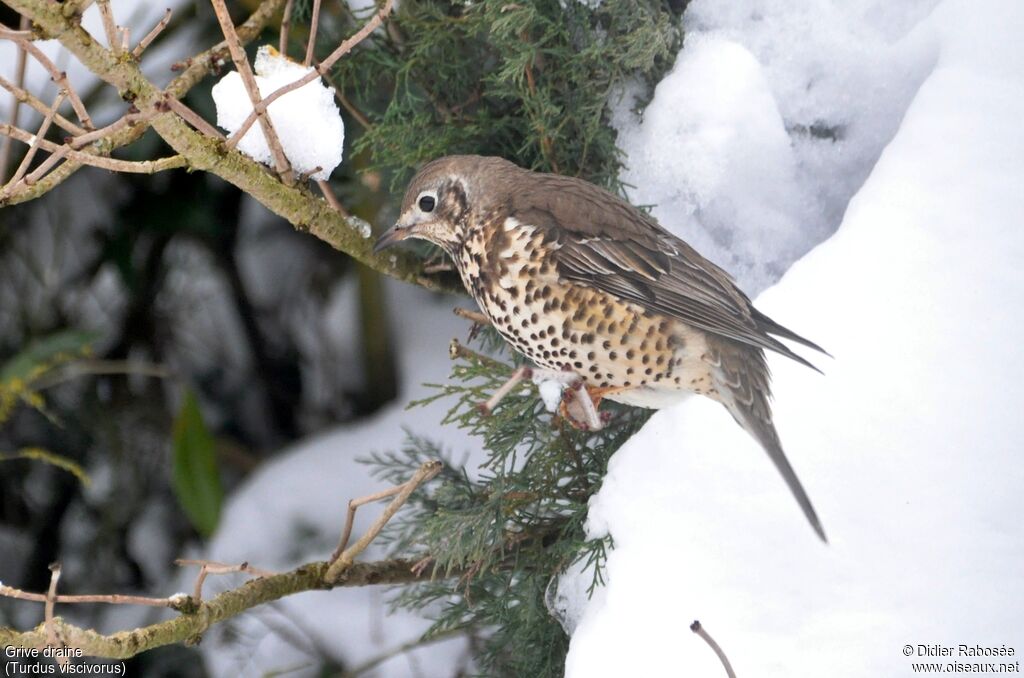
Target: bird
(579, 280)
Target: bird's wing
(603, 242)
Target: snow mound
(909, 445)
(306, 120)
(769, 122)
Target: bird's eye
(427, 203)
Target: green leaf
(45, 350)
(195, 475)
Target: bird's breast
(560, 325)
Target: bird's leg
(578, 400)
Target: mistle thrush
(579, 280)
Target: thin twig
(338, 565)
(207, 567)
(59, 77)
(24, 96)
(51, 600)
(699, 630)
(476, 316)
(151, 36)
(124, 121)
(112, 164)
(249, 80)
(314, 24)
(41, 134)
(332, 199)
(352, 109)
(114, 599)
(193, 118)
(322, 68)
(286, 24)
(109, 26)
(353, 504)
(19, 70)
(81, 368)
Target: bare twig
(125, 120)
(475, 316)
(344, 560)
(109, 26)
(286, 24)
(353, 504)
(193, 118)
(699, 630)
(249, 80)
(151, 36)
(113, 599)
(24, 96)
(59, 77)
(19, 76)
(332, 199)
(113, 164)
(207, 567)
(314, 24)
(34, 146)
(352, 109)
(322, 68)
(51, 599)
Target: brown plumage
(578, 279)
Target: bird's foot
(579, 403)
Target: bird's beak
(395, 234)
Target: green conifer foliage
(529, 80)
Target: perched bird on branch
(583, 283)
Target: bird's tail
(743, 389)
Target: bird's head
(443, 196)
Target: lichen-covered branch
(297, 204)
(189, 626)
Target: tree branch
(296, 204)
(193, 623)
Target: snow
(769, 122)
(550, 392)
(910, 444)
(307, 120)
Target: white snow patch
(909, 445)
(307, 120)
(550, 392)
(769, 122)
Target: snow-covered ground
(909, 445)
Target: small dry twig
(249, 80)
(51, 600)
(19, 70)
(343, 557)
(286, 24)
(39, 136)
(314, 24)
(207, 567)
(59, 77)
(110, 599)
(332, 199)
(109, 26)
(322, 68)
(699, 630)
(193, 118)
(152, 35)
